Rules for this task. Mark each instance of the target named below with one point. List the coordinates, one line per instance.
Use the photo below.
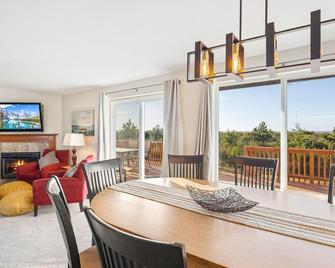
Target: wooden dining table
(213, 242)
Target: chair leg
(35, 211)
(81, 206)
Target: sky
(153, 113)
(23, 108)
(310, 104)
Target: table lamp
(74, 140)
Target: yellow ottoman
(14, 186)
(17, 203)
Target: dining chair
(256, 172)
(119, 249)
(103, 174)
(331, 184)
(186, 166)
(86, 258)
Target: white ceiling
(67, 45)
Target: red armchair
(30, 172)
(75, 189)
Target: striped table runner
(304, 227)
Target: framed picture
(83, 122)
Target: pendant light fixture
(235, 53)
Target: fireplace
(9, 162)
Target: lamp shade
(74, 139)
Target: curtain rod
(134, 88)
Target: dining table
(212, 242)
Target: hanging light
(316, 49)
(234, 57)
(203, 62)
(234, 64)
(271, 49)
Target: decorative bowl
(226, 200)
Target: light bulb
(275, 54)
(236, 65)
(205, 64)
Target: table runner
(291, 224)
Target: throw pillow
(48, 159)
(14, 186)
(17, 203)
(70, 172)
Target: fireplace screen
(10, 161)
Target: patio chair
(155, 153)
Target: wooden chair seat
(89, 258)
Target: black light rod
(266, 14)
(240, 35)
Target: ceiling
(65, 46)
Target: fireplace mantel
(50, 139)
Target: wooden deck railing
(304, 165)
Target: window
(138, 130)
(249, 124)
(311, 133)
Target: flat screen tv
(19, 116)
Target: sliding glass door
(127, 118)
(153, 127)
(249, 125)
(311, 133)
(137, 125)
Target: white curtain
(173, 127)
(104, 127)
(206, 138)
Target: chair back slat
(103, 174)
(57, 197)
(119, 249)
(186, 166)
(331, 184)
(256, 172)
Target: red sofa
(31, 171)
(75, 189)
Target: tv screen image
(20, 117)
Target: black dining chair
(103, 174)
(119, 249)
(256, 172)
(331, 184)
(186, 166)
(86, 258)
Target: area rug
(27, 241)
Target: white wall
(90, 99)
(52, 107)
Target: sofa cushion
(48, 159)
(14, 186)
(17, 203)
